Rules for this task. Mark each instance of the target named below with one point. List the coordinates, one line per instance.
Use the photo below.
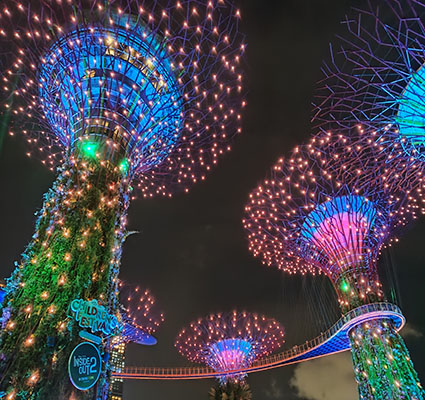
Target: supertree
(118, 93)
(140, 314)
(141, 318)
(306, 218)
(230, 342)
(374, 80)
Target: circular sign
(84, 366)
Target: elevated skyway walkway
(334, 340)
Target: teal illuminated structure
(120, 96)
(373, 88)
(327, 210)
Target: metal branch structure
(140, 314)
(155, 86)
(230, 341)
(328, 209)
(374, 78)
(120, 95)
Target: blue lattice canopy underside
(114, 88)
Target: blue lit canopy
(134, 334)
(113, 87)
(152, 87)
(340, 230)
(230, 341)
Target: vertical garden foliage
(382, 364)
(74, 253)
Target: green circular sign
(84, 366)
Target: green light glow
(345, 287)
(90, 149)
(124, 165)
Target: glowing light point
(90, 149)
(124, 166)
(345, 287)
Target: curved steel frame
(335, 340)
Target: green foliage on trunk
(74, 253)
(382, 364)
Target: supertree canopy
(374, 78)
(230, 342)
(154, 86)
(140, 314)
(305, 217)
(117, 94)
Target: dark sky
(191, 250)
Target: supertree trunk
(357, 286)
(382, 364)
(74, 253)
(381, 361)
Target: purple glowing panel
(140, 314)
(134, 334)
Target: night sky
(191, 250)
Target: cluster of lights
(139, 311)
(161, 90)
(230, 341)
(328, 209)
(117, 95)
(374, 91)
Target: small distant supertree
(230, 342)
(327, 209)
(141, 318)
(139, 312)
(119, 95)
